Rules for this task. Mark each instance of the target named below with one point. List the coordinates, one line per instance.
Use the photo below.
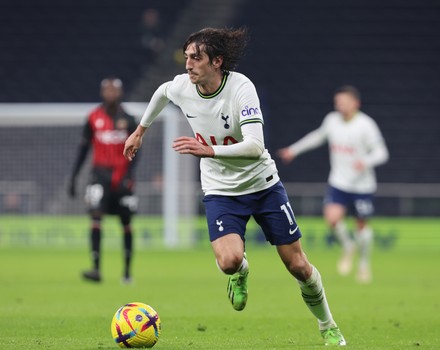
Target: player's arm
(378, 152)
(158, 102)
(83, 149)
(251, 147)
(377, 156)
(129, 176)
(312, 140)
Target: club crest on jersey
(225, 119)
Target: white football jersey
(349, 141)
(216, 120)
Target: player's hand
(286, 155)
(133, 143)
(189, 145)
(72, 188)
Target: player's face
(198, 66)
(346, 104)
(111, 93)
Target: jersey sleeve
(158, 102)
(377, 149)
(87, 132)
(311, 140)
(248, 104)
(252, 146)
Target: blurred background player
(356, 146)
(111, 183)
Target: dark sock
(95, 236)
(128, 250)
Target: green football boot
(237, 290)
(333, 336)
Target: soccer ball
(136, 325)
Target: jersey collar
(215, 93)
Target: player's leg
(127, 243)
(226, 232)
(229, 253)
(96, 199)
(276, 217)
(95, 247)
(231, 260)
(312, 290)
(364, 236)
(124, 204)
(335, 209)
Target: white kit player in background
(239, 177)
(356, 147)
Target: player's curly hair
(228, 43)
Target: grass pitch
(45, 305)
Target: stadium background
(53, 55)
(58, 52)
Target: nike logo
(293, 231)
(191, 116)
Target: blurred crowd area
(298, 54)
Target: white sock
(243, 267)
(364, 239)
(341, 233)
(314, 296)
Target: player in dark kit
(110, 190)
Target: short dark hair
(349, 89)
(228, 43)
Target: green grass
(45, 305)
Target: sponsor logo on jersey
(339, 148)
(111, 137)
(228, 140)
(190, 116)
(249, 111)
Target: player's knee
(332, 220)
(229, 263)
(96, 215)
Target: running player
(356, 146)
(111, 184)
(239, 177)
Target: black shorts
(100, 196)
(360, 205)
(270, 208)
